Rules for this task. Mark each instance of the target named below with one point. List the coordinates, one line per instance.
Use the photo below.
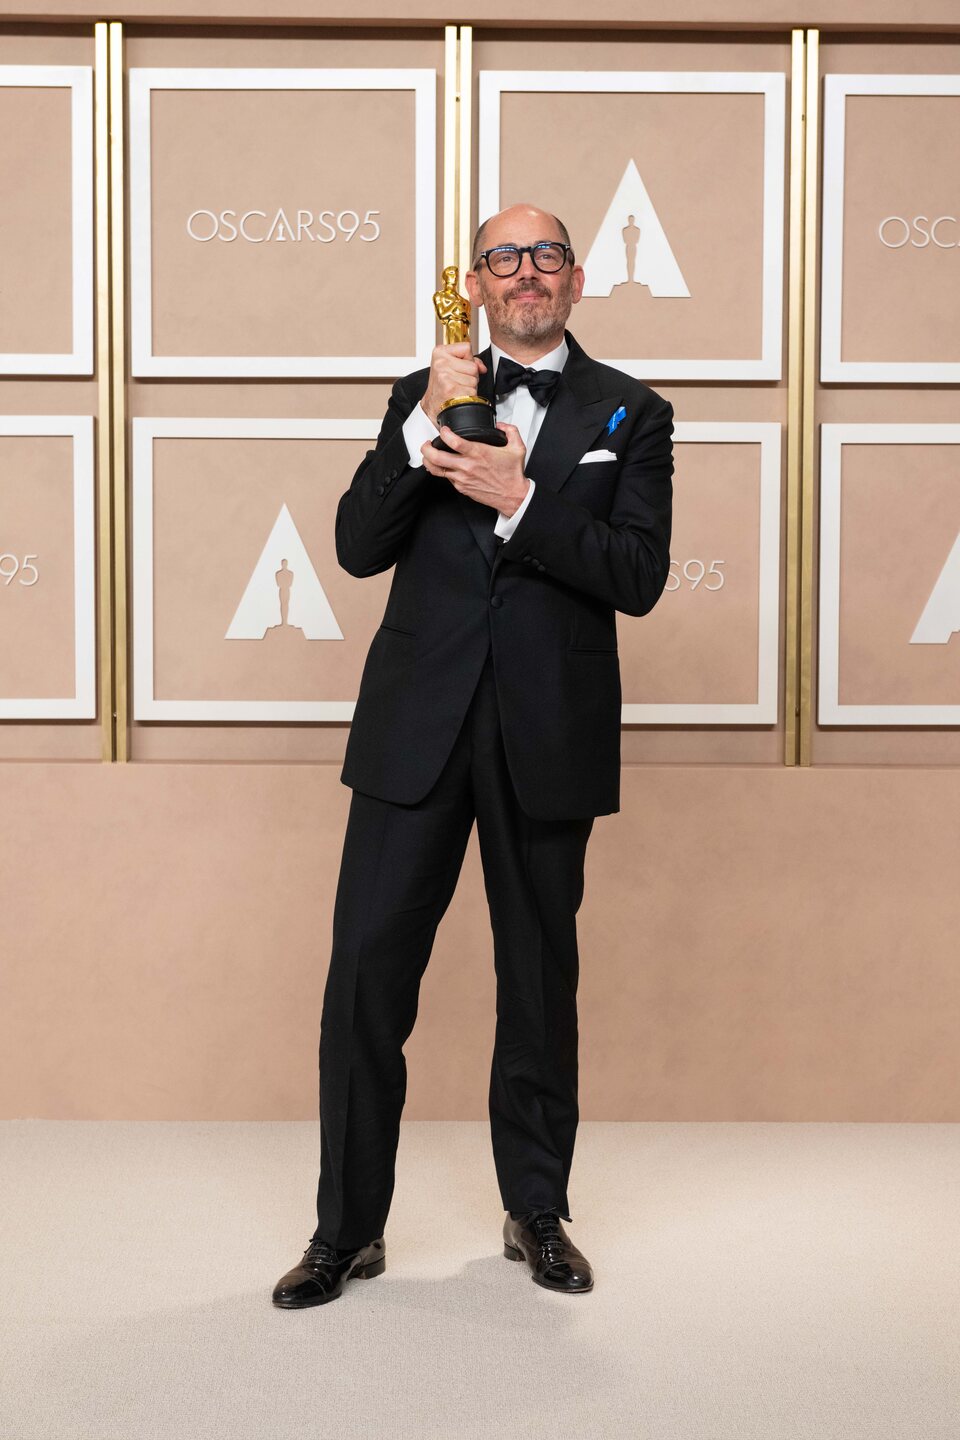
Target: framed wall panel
(47, 565)
(898, 158)
(890, 303)
(46, 239)
(673, 182)
(240, 610)
(889, 575)
(298, 239)
(708, 653)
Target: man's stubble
(529, 323)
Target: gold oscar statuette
(470, 416)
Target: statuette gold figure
(453, 309)
(471, 416)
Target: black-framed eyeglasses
(548, 256)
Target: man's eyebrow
(515, 244)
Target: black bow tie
(540, 383)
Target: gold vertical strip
(105, 607)
(810, 225)
(451, 140)
(464, 152)
(791, 688)
(118, 390)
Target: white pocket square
(593, 455)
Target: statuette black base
(472, 419)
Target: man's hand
(454, 370)
(487, 473)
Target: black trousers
(398, 872)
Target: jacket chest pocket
(597, 475)
(599, 468)
(593, 485)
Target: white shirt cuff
(418, 428)
(506, 524)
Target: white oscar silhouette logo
(284, 590)
(631, 245)
(941, 614)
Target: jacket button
(526, 557)
(380, 489)
(496, 601)
(541, 567)
(393, 474)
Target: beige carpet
(753, 1280)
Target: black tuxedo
(594, 539)
(491, 692)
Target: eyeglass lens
(505, 259)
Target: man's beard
(542, 321)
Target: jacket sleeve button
(380, 489)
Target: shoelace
(320, 1250)
(546, 1227)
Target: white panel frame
(764, 711)
(144, 80)
(832, 367)
(78, 79)
(82, 705)
(832, 439)
(770, 84)
(146, 429)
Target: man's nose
(527, 266)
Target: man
(490, 691)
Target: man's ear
(472, 282)
(579, 277)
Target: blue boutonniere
(615, 419)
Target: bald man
(491, 692)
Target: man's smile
(528, 296)
(529, 293)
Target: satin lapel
(576, 414)
(481, 518)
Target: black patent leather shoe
(321, 1273)
(553, 1259)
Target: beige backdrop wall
(756, 942)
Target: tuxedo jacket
(593, 540)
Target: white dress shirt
(518, 408)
